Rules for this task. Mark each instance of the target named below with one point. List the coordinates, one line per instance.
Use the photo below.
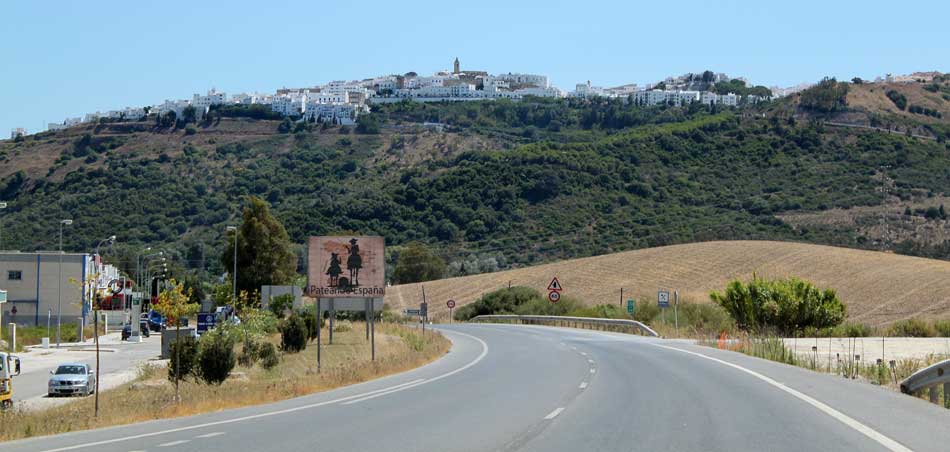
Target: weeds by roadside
(151, 396)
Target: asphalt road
(520, 388)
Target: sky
(63, 58)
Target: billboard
(346, 267)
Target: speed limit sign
(450, 304)
(554, 296)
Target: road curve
(522, 388)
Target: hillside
(878, 288)
(503, 184)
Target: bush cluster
(211, 359)
(784, 305)
(293, 334)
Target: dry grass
(878, 288)
(347, 361)
(873, 98)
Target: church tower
(455, 69)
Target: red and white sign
(554, 296)
(555, 285)
(450, 304)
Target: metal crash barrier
(593, 323)
(930, 378)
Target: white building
(289, 105)
(660, 97)
(540, 81)
(344, 114)
(17, 132)
(202, 103)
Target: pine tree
(264, 256)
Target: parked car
(72, 378)
(156, 322)
(143, 328)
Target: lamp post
(3, 205)
(148, 272)
(111, 241)
(234, 272)
(59, 304)
(140, 264)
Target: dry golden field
(878, 288)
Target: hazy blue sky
(65, 58)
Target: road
(524, 388)
(118, 363)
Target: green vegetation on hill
(562, 178)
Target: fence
(616, 325)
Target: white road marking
(593, 371)
(880, 438)
(210, 435)
(573, 348)
(554, 414)
(288, 410)
(174, 443)
(590, 361)
(584, 353)
(583, 385)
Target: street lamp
(59, 304)
(234, 273)
(148, 273)
(140, 262)
(3, 205)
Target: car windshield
(66, 370)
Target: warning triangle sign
(555, 285)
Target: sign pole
(676, 319)
(319, 321)
(621, 297)
(422, 316)
(366, 307)
(332, 315)
(372, 329)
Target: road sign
(555, 285)
(663, 299)
(424, 309)
(413, 312)
(206, 321)
(554, 296)
(346, 267)
(450, 304)
(631, 306)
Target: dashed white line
(210, 435)
(174, 443)
(554, 414)
(583, 385)
(590, 361)
(881, 439)
(593, 371)
(584, 353)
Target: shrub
(911, 328)
(279, 304)
(190, 129)
(183, 354)
(249, 353)
(342, 326)
(268, 356)
(293, 334)
(646, 311)
(216, 358)
(786, 305)
(310, 319)
(899, 99)
(942, 328)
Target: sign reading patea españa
(346, 267)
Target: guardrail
(618, 325)
(930, 378)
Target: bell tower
(455, 67)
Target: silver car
(72, 378)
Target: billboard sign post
(345, 267)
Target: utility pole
(884, 206)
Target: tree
(264, 256)
(174, 303)
(417, 264)
(189, 115)
(367, 124)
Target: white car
(71, 379)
